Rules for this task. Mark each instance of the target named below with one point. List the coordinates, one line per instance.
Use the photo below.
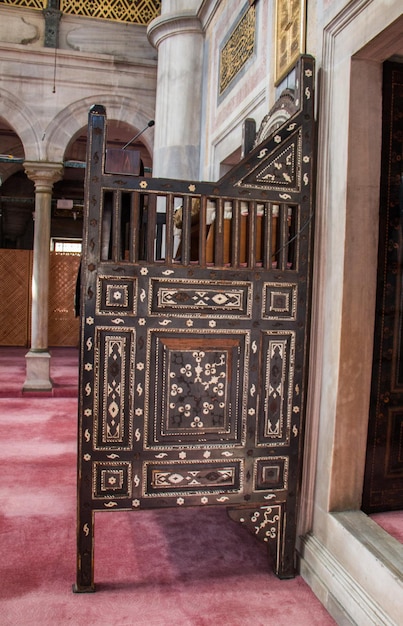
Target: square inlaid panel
(197, 394)
(271, 473)
(112, 480)
(116, 296)
(279, 301)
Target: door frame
(346, 558)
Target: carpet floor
(155, 568)
(188, 567)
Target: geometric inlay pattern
(279, 301)
(264, 521)
(112, 479)
(192, 381)
(198, 390)
(113, 393)
(182, 298)
(116, 296)
(279, 173)
(281, 169)
(271, 474)
(278, 373)
(207, 371)
(186, 478)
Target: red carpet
(190, 567)
(392, 522)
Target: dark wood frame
(138, 312)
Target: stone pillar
(178, 36)
(37, 359)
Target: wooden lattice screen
(63, 325)
(15, 289)
(15, 298)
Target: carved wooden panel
(63, 324)
(192, 366)
(196, 388)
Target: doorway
(383, 483)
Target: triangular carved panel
(278, 170)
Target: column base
(37, 372)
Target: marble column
(178, 37)
(37, 359)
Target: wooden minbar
(194, 339)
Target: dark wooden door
(383, 487)
(192, 359)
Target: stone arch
(68, 122)
(24, 122)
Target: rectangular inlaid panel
(277, 358)
(196, 388)
(187, 478)
(116, 296)
(113, 393)
(187, 298)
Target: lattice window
(134, 11)
(30, 4)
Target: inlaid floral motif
(197, 389)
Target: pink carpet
(392, 522)
(190, 567)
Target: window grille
(28, 4)
(132, 11)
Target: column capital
(43, 173)
(170, 24)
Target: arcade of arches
(17, 216)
